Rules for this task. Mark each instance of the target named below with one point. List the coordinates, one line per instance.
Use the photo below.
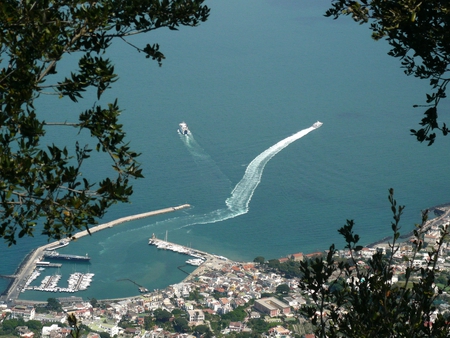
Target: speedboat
(317, 124)
(183, 129)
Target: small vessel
(195, 261)
(183, 129)
(57, 255)
(317, 124)
(62, 243)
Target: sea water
(250, 82)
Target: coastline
(28, 264)
(211, 261)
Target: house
(54, 331)
(279, 332)
(236, 326)
(24, 332)
(196, 316)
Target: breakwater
(128, 219)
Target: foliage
(47, 185)
(259, 260)
(94, 302)
(367, 303)
(201, 329)
(288, 269)
(75, 325)
(237, 315)
(195, 295)
(8, 326)
(283, 289)
(419, 35)
(53, 305)
(162, 315)
(181, 324)
(148, 323)
(273, 264)
(104, 335)
(259, 325)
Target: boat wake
(238, 203)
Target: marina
(77, 282)
(198, 257)
(30, 268)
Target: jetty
(128, 219)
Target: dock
(210, 261)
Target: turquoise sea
(253, 75)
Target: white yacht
(183, 129)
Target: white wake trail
(242, 193)
(238, 202)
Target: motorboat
(317, 124)
(183, 129)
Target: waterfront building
(298, 257)
(22, 311)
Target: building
(272, 306)
(279, 332)
(196, 316)
(22, 311)
(236, 326)
(298, 257)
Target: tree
(201, 329)
(53, 305)
(259, 260)
(148, 323)
(237, 315)
(181, 324)
(367, 303)
(42, 184)
(283, 289)
(93, 302)
(162, 315)
(419, 34)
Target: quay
(210, 261)
(28, 265)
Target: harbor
(30, 267)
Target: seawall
(129, 218)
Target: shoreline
(28, 264)
(210, 259)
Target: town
(220, 298)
